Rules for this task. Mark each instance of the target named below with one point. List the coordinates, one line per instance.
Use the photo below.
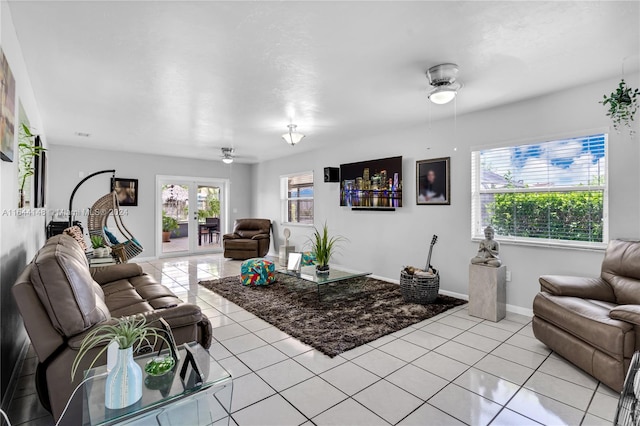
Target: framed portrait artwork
(433, 181)
(126, 191)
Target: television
(372, 185)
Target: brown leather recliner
(61, 299)
(250, 238)
(594, 322)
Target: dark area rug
(345, 314)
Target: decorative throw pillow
(112, 238)
(76, 233)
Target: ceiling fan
(228, 154)
(443, 80)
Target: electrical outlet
(80, 175)
(508, 275)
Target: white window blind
(552, 192)
(297, 198)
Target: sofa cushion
(621, 269)
(248, 233)
(241, 244)
(76, 233)
(137, 295)
(61, 278)
(587, 320)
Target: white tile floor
(450, 369)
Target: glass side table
(166, 400)
(628, 411)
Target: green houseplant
(27, 151)
(623, 105)
(99, 247)
(169, 224)
(124, 380)
(97, 241)
(324, 247)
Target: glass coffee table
(201, 398)
(308, 273)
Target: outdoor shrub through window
(549, 192)
(297, 198)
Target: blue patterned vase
(124, 382)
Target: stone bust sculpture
(488, 250)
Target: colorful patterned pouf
(308, 258)
(257, 271)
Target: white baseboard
(520, 310)
(454, 294)
(510, 308)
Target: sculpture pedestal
(283, 257)
(488, 292)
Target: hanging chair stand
(73, 193)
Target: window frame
(476, 192)
(284, 199)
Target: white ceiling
(186, 78)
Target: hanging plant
(622, 104)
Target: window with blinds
(297, 198)
(552, 192)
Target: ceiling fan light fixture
(442, 95)
(227, 155)
(443, 79)
(292, 137)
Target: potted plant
(124, 380)
(28, 150)
(623, 105)
(169, 224)
(97, 242)
(324, 247)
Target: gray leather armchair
(594, 322)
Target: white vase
(98, 252)
(123, 386)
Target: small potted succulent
(99, 249)
(324, 247)
(623, 105)
(125, 378)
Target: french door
(191, 215)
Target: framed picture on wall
(7, 108)
(126, 191)
(433, 181)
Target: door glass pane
(209, 225)
(175, 218)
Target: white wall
(67, 162)
(381, 242)
(20, 236)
